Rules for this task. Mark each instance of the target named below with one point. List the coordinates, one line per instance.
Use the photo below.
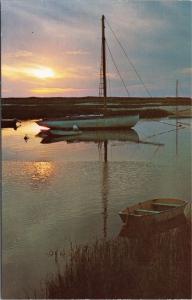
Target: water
(60, 192)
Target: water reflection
(40, 173)
(10, 123)
(105, 190)
(85, 191)
(90, 136)
(22, 128)
(97, 136)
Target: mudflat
(33, 107)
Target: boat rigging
(103, 121)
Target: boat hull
(138, 231)
(153, 211)
(114, 122)
(161, 217)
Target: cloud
(36, 71)
(66, 36)
(57, 90)
(40, 71)
(65, 92)
(18, 54)
(76, 52)
(187, 71)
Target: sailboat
(94, 122)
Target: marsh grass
(49, 107)
(26, 112)
(151, 267)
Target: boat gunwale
(86, 117)
(126, 212)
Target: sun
(43, 73)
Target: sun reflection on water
(27, 127)
(40, 172)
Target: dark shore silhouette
(46, 107)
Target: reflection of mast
(105, 191)
(105, 198)
(105, 151)
(177, 85)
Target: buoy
(75, 127)
(26, 137)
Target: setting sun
(37, 71)
(43, 73)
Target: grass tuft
(153, 266)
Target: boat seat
(147, 211)
(166, 204)
(135, 215)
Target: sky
(52, 48)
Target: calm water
(58, 192)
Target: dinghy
(153, 211)
(10, 123)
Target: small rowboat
(153, 211)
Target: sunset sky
(52, 47)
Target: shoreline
(36, 108)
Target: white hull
(91, 123)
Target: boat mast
(104, 63)
(177, 87)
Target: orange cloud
(187, 71)
(39, 72)
(53, 90)
(44, 72)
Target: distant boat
(153, 211)
(87, 122)
(10, 123)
